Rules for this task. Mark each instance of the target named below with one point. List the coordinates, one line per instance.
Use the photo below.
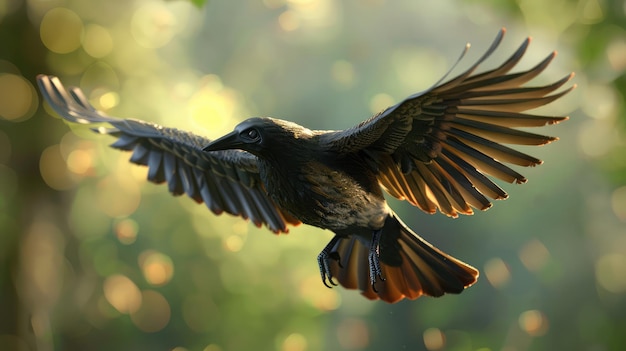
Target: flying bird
(438, 149)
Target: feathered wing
(436, 148)
(226, 181)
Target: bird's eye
(251, 134)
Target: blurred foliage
(95, 258)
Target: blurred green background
(93, 257)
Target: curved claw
(323, 260)
(328, 279)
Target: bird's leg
(323, 260)
(373, 258)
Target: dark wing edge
(226, 181)
(437, 148)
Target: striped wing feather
(438, 149)
(226, 181)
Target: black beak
(228, 141)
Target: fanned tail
(410, 266)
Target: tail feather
(411, 266)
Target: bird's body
(436, 149)
(317, 185)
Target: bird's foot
(323, 260)
(374, 259)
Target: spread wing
(224, 180)
(436, 148)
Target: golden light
(61, 30)
(497, 272)
(80, 161)
(533, 322)
(294, 342)
(233, 243)
(126, 231)
(117, 198)
(122, 293)
(534, 255)
(53, 169)
(610, 273)
(157, 268)
(97, 41)
(18, 100)
(289, 21)
(318, 295)
(409, 62)
(213, 106)
(616, 53)
(380, 101)
(153, 314)
(153, 25)
(434, 339)
(600, 101)
(314, 14)
(108, 100)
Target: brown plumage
(436, 149)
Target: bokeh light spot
(294, 342)
(53, 169)
(80, 161)
(533, 322)
(122, 293)
(600, 101)
(153, 314)
(108, 100)
(157, 268)
(534, 255)
(594, 130)
(212, 347)
(409, 63)
(434, 339)
(18, 101)
(97, 41)
(117, 198)
(61, 30)
(380, 102)
(289, 21)
(497, 272)
(353, 334)
(213, 106)
(318, 295)
(610, 273)
(153, 25)
(126, 231)
(233, 243)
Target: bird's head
(260, 134)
